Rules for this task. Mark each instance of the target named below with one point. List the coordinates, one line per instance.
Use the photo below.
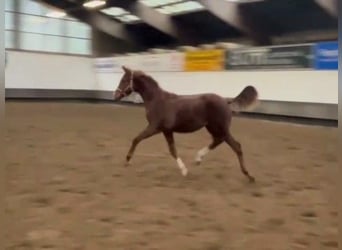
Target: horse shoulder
(155, 112)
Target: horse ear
(127, 70)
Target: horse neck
(150, 92)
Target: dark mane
(146, 78)
(150, 81)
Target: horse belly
(188, 125)
(187, 117)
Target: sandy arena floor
(68, 187)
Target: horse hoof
(198, 163)
(127, 164)
(184, 172)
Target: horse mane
(146, 78)
(149, 80)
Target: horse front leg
(172, 148)
(146, 133)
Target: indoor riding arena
(113, 108)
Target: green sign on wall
(298, 56)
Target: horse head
(136, 81)
(125, 86)
(131, 81)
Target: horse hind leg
(236, 146)
(205, 150)
(217, 139)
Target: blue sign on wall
(326, 56)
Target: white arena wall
(303, 93)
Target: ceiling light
(244, 1)
(182, 7)
(114, 11)
(56, 14)
(94, 3)
(189, 6)
(156, 3)
(128, 18)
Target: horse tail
(246, 100)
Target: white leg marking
(201, 153)
(182, 166)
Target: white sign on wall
(128, 61)
(104, 65)
(168, 62)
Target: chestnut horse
(169, 113)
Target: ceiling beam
(330, 6)
(107, 25)
(94, 19)
(159, 21)
(237, 17)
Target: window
(54, 44)
(9, 39)
(9, 21)
(9, 25)
(78, 46)
(32, 7)
(9, 5)
(29, 41)
(77, 29)
(34, 24)
(40, 42)
(67, 17)
(53, 27)
(38, 32)
(42, 25)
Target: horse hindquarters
(218, 118)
